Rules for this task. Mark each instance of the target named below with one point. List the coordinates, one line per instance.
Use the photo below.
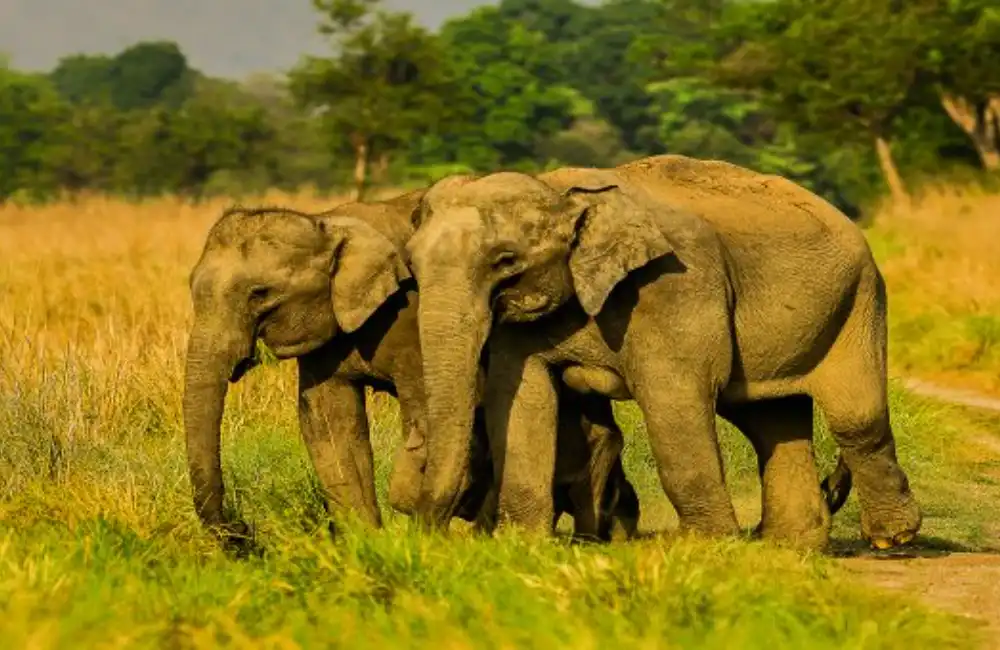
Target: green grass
(99, 546)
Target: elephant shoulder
(735, 198)
(565, 178)
(704, 174)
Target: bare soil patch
(952, 395)
(967, 584)
(961, 582)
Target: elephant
(590, 483)
(695, 287)
(332, 291)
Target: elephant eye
(504, 260)
(259, 294)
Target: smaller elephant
(332, 291)
(589, 482)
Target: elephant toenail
(904, 538)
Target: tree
(30, 109)
(297, 151)
(387, 81)
(845, 68)
(560, 21)
(82, 78)
(589, 142)
(507, 99)
(87, 148)
(150, 73)
(601, 63)
(140, 76)
(963, 64)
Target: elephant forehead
(210, 280)
(452, 227)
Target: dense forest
(853, 98)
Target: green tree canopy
(963, 64)
(387, 82)
(846, 68)
(140, 76)
(30, 111)
(83, 77)
(506, 105)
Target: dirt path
(967, 584)
(952, 395)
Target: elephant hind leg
(850, 385)
(619, 506)
(590, 481)
(588, 443)
(793, 510)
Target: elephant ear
(615, 235)
(366, 268)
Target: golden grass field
(99, 546)
(943, 271)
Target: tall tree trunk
(897, 189)
(980, 122)
(361, 151)
(991, 120)
(381, 167)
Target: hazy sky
(220, 37)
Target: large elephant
(333, 291)
(694, 287)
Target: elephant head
(289, 279)
(512, 247)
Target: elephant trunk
(454, 324)
(215, 356)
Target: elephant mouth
(244, 366)
(512, 307)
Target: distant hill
(227, 38)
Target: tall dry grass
(942, 268)
(94, 315)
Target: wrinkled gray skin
(332, 291)
(693, 287)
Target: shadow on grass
(928, 546)
(925, 546)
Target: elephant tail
(837, 486)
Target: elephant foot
(237, 538)
(795, 518)
(816, 538)
(708, 525)
(885, 529)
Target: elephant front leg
(335, 430)
(682, 434)
(522, 420)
